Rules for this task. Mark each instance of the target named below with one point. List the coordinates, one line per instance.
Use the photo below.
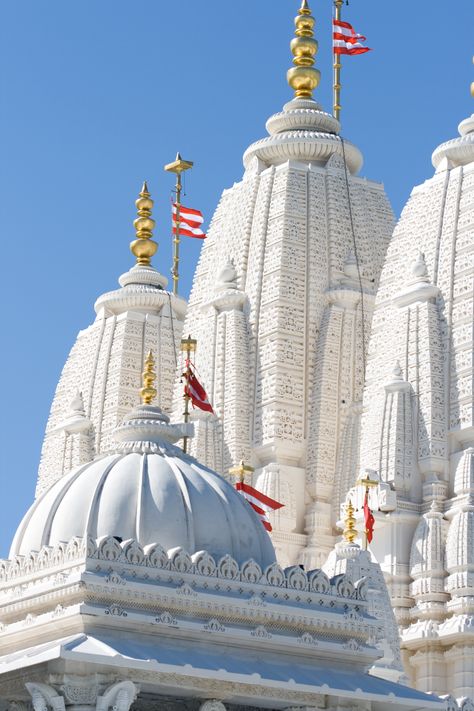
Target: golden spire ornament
(303, 77)
(472, 83)
(241, 470)
(350, 532)
(143, 247)
(148, 392)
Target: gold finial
(303, 77)
(148, 392)
(472, 83)
(144, 247)
(350, 533)
(188, 345)
(241, 470)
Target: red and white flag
(260, 503)
(194, 390)
(190, 222)
(346, 40)
(369, 519)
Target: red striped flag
(368, 519)
(260, 503)
(190, 222)
(194, 390)
(346, 40)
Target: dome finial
(472, 83)
(350, 532)
(144, 247)
(303, 77)
(148, 392)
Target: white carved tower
(280, 346)
(418, 422)
(99, 381)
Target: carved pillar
(430, 670)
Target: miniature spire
(148, 392)
(144, 247)
(350, 533)
(303, 77)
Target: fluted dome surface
(151, 492)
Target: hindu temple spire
(303, 77)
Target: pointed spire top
(472, 83)
(148, 391)
(303, 77)
(241, 470)
(143, 247)
(350, 531)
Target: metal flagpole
(188, 346)
(337, 67)
(178, 166)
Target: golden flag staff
(178, 166)
(188, 346)
(337, 67)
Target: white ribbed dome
(149, 491)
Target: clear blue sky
(96, 96)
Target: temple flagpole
(188, 346)
(337, 65)
(178, 166)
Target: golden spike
(143, 247)
(472, 83)
(350, 533)
(303, 77)
(241, 470)
(148, 392)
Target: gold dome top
(303, 77)
(350, 531)
(148, 391)
(472, 83)
(144, 247)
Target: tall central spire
(303, 77)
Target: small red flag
(345, 39)
(369, 519)
(259, 502)
(194, 390)
(190, 222)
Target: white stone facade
(418, 422)
(90, 625)
(105, 366)
(282, 359)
